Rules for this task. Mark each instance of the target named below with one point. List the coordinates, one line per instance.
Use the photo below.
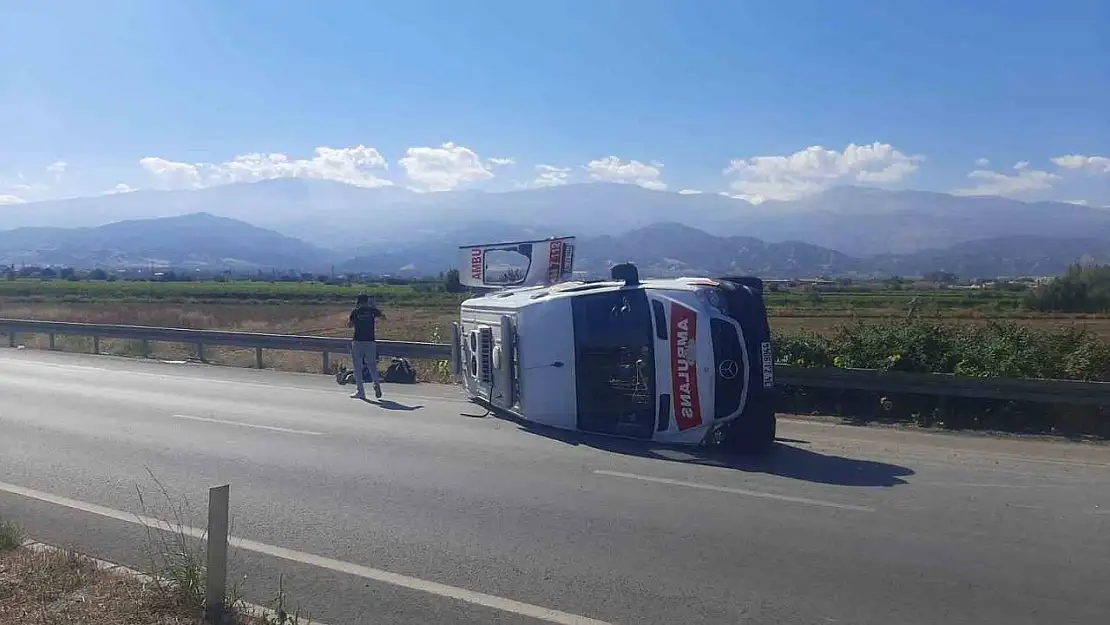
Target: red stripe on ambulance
(684, 370)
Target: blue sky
(760, 100)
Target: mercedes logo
(728, 369)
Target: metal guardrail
(200, 338)
(1072, 392)
(936, 384)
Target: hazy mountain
(864, 221)
(1007, 256)
(355, 219)
(659, 249)
(857, 221)
(191, 240)
(668, 249)
(329, 214)
(673, 249)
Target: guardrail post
(215, 592)
(200, 352)
(11, 338)
(146, 348)
(327, 363)
(96, 344)
(258, 356)
(941, 412)
(51, 340)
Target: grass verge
(179, 565)
(44, 585)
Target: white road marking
(988, 485)
(1025, 506)
(823, 424)
(443, 590)
(1083, 464)
(179, 375)
(737, 491)
(247, 425)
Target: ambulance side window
(660, 320)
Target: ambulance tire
(755, 437)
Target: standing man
(364, 346)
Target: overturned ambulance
(679, 360)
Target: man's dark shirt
(363, 319)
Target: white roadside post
(216, 578)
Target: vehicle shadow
(389, 404)
(784, 460)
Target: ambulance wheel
(755, 436)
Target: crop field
(415, 312)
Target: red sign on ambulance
(554, 262)
(477, 266)
(684, 367)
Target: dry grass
(401, 324)
(61, 587)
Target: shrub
(1080, 290)
(11, 536)
(1000, 349)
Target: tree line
(1083, 289)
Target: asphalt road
(407, 511)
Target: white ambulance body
(681, 360)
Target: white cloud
(499, 162)
(982, 163)
(443, 168)
(551, 176)
(175, 173)
(997, 183)
(816, 168)
(1090, 164)
(11, 199)
(1078, 202)
(613, 169)
(58, 167)
(689, 192)
(120, 188)
(357, 165)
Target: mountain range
(312, 224)
(196, 240)
(859, 221)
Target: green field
(306, 292)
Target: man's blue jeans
(365, 354)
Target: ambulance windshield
(615, 362)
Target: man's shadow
(389, 404)
(785, 460)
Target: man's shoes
(358, 395)
(378, 391)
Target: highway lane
(841, 524)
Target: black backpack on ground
(400, 371)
